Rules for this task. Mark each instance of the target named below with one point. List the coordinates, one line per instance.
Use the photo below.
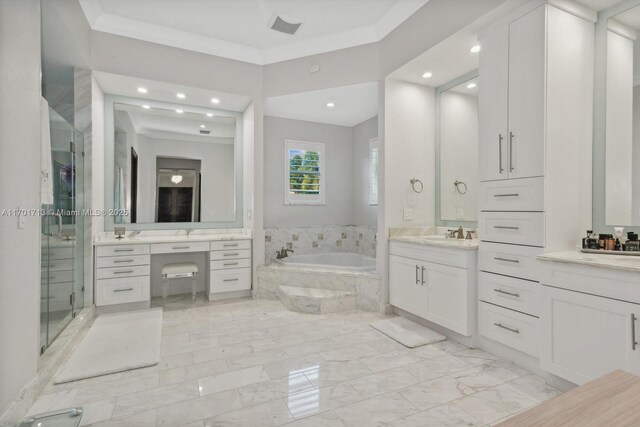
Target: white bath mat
(114, 343)
(406, 332)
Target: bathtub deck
(315, 300)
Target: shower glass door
(62, 287)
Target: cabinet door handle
(234, 254)
(513, 294)
(423, 269)
(123, 290)
(123, 250)
(180, 247)
(510, 151)
(506, 227)
(498, 258)
(507, 195)
(634, 343)
(417, 280)
(231, 280)
(120, 261)
(500, 325)
(123, 272)
(500, 138)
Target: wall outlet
(407, 214)
(460, 213)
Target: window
(373, 171)
(304, 173)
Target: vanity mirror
(172, 166)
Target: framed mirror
(171, 166)
(457, 151)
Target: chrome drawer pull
(123, 250)
(230, 263)
(123, 272)
(500, 325)
(234, 254)
(230, 245)
(231, 280)
(497, 258)
(120, 261)
(123, 290)
(507, 195)
(180, 247)
(513, 294)
(506, 227)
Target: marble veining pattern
(255, 363)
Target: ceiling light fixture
(471, 85)
(215, 101)
(181, 95)
(330, 104)
(146, 107)
(475, 49)
(179, 111)
(202, 126)
(142, 90)
(176, 179)
(427, 75)
(209, 114)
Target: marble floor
(254, 363)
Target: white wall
(338, 209)
(409, 152)
(218, 175)
(97, 158)
(20, 164)
(363, 212)
(458, 155)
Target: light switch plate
(407, 214)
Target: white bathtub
(343, 261)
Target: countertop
(171, 236)
(438, 240)
(619, 262)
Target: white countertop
(619, 262)
(171, 236)
(438, 240)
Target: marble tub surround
(255, 363)
(170, 236)
(618, 262)
(313, 240)
(316, 301)
(365, 285)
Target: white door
(406, 290)
(448, 297)
(586, 336)
(527, 54)
(493, 98)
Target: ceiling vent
(285, 24)
(205, 132)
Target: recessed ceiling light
(427, 75)
(181, 95)
(179, 111)
(330, 104)
(202, 126)
(209, 114)
(475, 49)
(146, 107)
(471, 85)
(142, 90)
(215, 100)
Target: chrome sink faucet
(283, 253)
(455, 234)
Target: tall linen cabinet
(535, 142)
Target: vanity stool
(179, 270)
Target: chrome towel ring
(415, 181)
(458, 185)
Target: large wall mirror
(172, 166)
(457, 150)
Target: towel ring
(415, 181)
(458, 184)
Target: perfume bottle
(632, 244)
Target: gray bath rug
(407, 332)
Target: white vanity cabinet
(434, 283)
(122, 275)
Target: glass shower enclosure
(62, 237)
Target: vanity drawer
(122, 261)
(510, 260)
(512, 195)
(57, 276)
(516, 294)
(122, 290)
(237, 279)
(520, 228)
(123, 271)
(230, 263)
(230, 244)
(57, 253)
(179, 247)
(122, 250)
(508, 327)
(232, 254)
(57, 265)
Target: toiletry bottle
(585, 240)
(632, 244)
(617, 246)
(611, 243)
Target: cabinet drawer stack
(122, 274)
(230, 265)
